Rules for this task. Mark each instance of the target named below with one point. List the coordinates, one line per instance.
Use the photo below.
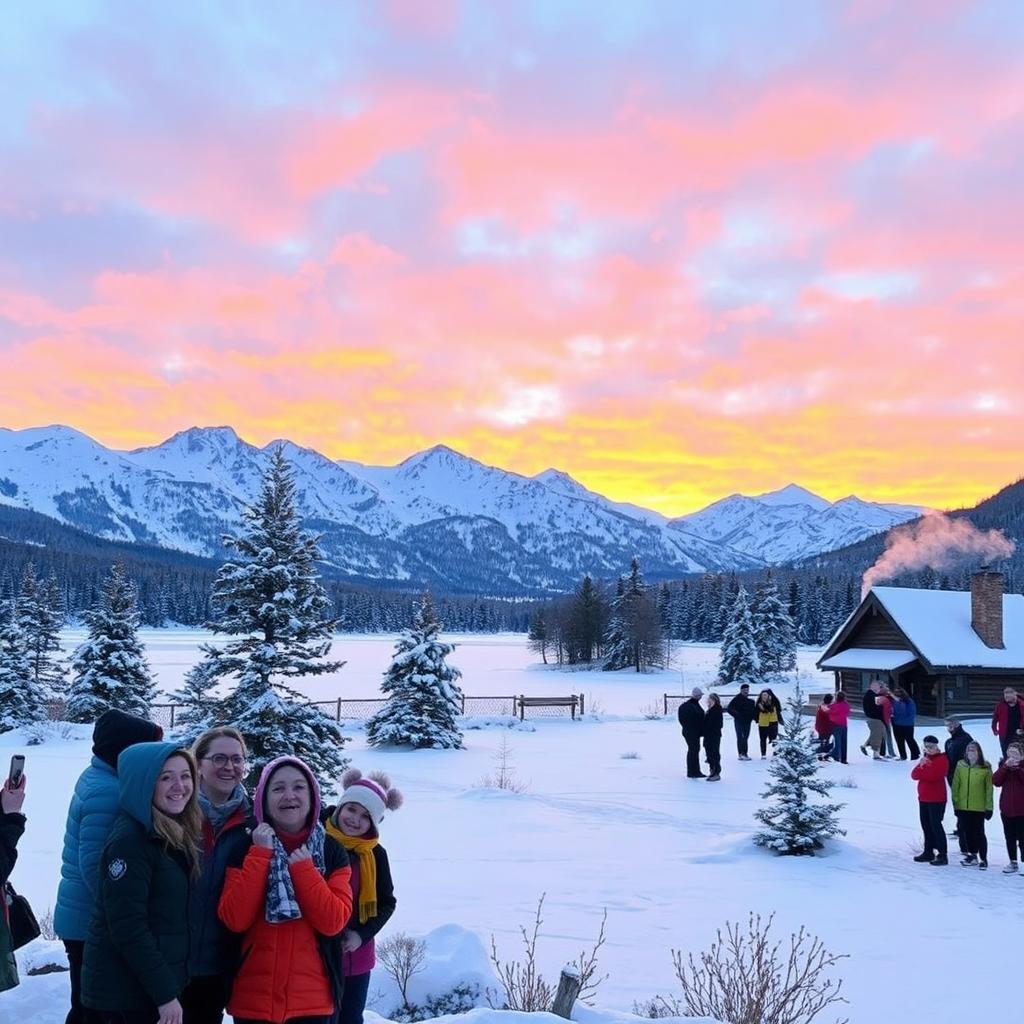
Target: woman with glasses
(221, 756)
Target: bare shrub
(652, 711)
(525, 988)
(504, 775)
(745, 978)
(46, 926)
(849, 782)
(629, 755)
(595, 706)
(657, 1007)
(402, 956)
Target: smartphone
(17, 770)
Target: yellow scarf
(362, 847)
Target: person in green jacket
(12, 825)
(972, 800)
(136, 953)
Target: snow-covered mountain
(436, 519)
(792, 522)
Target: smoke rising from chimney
(938, 542)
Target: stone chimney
(987, 606)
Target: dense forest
(174, 587)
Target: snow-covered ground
(608, 821)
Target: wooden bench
(574, 702)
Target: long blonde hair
(183, 831)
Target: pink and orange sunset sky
(675, 249)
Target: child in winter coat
(289, 898)
(355, 824)
(12, 825)
(930, 775)
(136, 954)
(839, 716)
(1009, 776)
(823, 727)
(972, 799)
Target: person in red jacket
(1009, 777)
(823, 727)
(1008, 718)
(290, 897)
(930, 773)
(839, 717)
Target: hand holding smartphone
(12, 796)
(17, 772)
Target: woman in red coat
(1009, 777)
(290, 897)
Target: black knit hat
(931, 739)
(116, 730)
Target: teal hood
(138, 768)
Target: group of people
(703, 725)
(960, 771)
(182, 895)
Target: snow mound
(41, 956)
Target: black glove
(988, 815)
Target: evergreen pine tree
(586, 622)
(40, 616)
(269, 600)
(774, 632)
(423, 693)
(540, 634)
(21, 701)
(197, 705)
(796, 819)
(110, 669)
(738, 661)
(617, 651)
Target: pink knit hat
(374, 792)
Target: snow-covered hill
(792, 522)
(437, 519)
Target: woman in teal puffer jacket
(91, 815)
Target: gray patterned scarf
(281, 902)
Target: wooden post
(665, 695)
(173, 707)
(522, 707)
(337, 713)
(582, 706)
(569, 985)
(463, 703)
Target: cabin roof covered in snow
(937, 625)
(869, 659)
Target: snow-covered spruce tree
(110, 668)
(423, 693)
(40, 616)
(617, 650)
(774, 631)
(738, 661)
(21, 701)
(269, 600)
(797, 817)
(197, 705)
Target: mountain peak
(792, 494)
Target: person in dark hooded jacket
(94, 807)
(955, 748)
(12, 825)
(136, 955)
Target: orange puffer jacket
(283, 973)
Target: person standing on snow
(769, 718)
(221, 759)
(691, 720)
(904, 715)
(743, 712)
(839, 716)
(930, 774)
(289, 898)
(873, 715)
(1009, 778)
(94, 806)
(972, 800)
(12, 826)
(713, 722)
(355, 825)
(136, 955)
(955, 747)
(823, 727)
(1007, 722)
